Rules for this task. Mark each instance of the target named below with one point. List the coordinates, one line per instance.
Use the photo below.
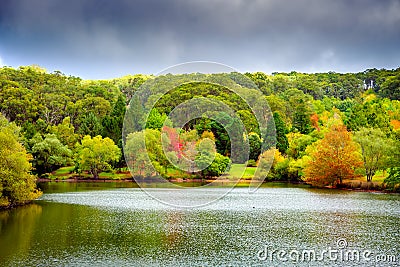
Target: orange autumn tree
(334, 159)
(395, 124)
(314, 121)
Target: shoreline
(179, 180)
(208, 181)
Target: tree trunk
(370, 174)
(95, 174)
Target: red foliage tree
(175, 142)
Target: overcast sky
(103, 39)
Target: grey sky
(104, 39)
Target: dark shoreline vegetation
(332, 130)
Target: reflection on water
(16, 229)
(124, 226)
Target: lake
(117, 224)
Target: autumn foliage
(334, 159)
(395, 124)
(174, 139)
(314, 121)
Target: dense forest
(330, 127)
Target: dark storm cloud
(109, 38)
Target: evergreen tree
(301, 120)
(112, 124)
(281, 140)
(91, 125)
(254, 145)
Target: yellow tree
(17, 184)
(95, 154)
(334, 159)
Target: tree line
(61, 120)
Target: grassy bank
(362, 184)
(65, 173)
(234, 173)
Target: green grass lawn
(114, 176)
(379, 176)
(237, 170)
(64, 170)
(67, 172)
(62, 173)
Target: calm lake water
(117, 224)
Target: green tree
(280, 83)
(298, 143)
(17, 103)
(94, 104)
(393, 180)
(262, 81)
(144, 153)
(249, 121)
(136, 157)
(371, 114)
(49, 153)
(254, 145)
(41, 126)
(65, 132)
(301, 120)
(391, 87)
(222, 140)
(218, 166)
(156, 120)
(129, 84)
(112, 124)
(375, 150)
(95, 154)
(278, 104)
(17, 184)
(155, 150)
(90, 125)
(281, 140)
